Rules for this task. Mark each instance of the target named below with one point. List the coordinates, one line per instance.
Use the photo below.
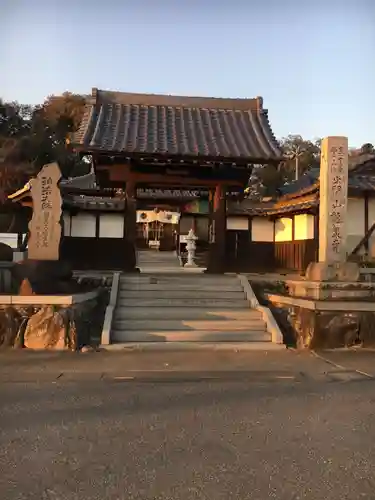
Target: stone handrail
(271, 324)
(107, 323)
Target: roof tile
(115, 123)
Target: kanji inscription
(333, 199)
(45, 228)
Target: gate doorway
(157, 231)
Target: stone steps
(180, 294)
(182, 308)
(186, 313)
(175, 279)
(171, 287)
(190, 336)
(188, 325)
(198, 302)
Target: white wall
(262, 229)
(238, 223)
(283, 229)
(304, 227)
(111, 226)
(83, 225)
(355, 223)
(9, 239)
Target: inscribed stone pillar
(333, 200)
(45, 227)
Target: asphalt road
(209, 439)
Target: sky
(311, 61)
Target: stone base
(341, 271)
(331, 290)
(303, 327)
(56, 327)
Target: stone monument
(45, 227)
(42, 272)
(333, 189)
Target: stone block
(341, 271)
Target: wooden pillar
(131, 226)
(367, 247)
(216, 262)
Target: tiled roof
(95, 203)
(362, 182)
(87, 181)
(120, 122)
(307, 180)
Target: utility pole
(295, 153)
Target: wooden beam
(117, 173)
(363, 241)
(162, 157)
(366, 221)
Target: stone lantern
(191, 247)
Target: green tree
(300, 155)
(31, 136)
(367, 149)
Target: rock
(87, 348)
(46, 330)
(9, 325)
(25, 288)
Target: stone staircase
(157, 307)
(149, 260)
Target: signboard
(45, 228)
(178, 193)
(170, 193)
(161, 216)
(333, 199)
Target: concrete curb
(107, 323)
(271, 323)
(49, 300)
(341, 367)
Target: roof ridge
(132, 98)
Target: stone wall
(304, 328)
(53, 327)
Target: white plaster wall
(355, 223)
(304, 227)
(238, 223)
(83, 225)
(111, 226)
(262, 229)
(283, 229)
